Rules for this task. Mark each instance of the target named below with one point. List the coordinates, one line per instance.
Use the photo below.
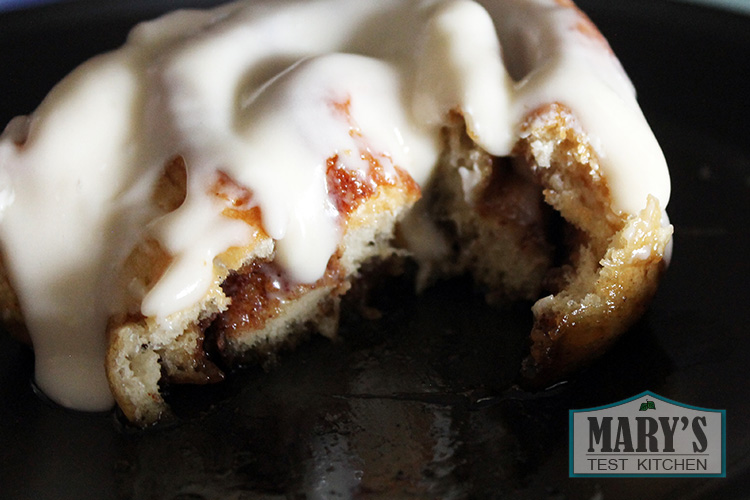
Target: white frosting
(255, 90)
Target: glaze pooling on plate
(251, 90)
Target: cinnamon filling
(259, 291)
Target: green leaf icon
(648, 405)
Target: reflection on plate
(422, 402)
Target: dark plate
(421, 402)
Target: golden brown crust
(581, 322)
(613, 269)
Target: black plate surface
(420, 403)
